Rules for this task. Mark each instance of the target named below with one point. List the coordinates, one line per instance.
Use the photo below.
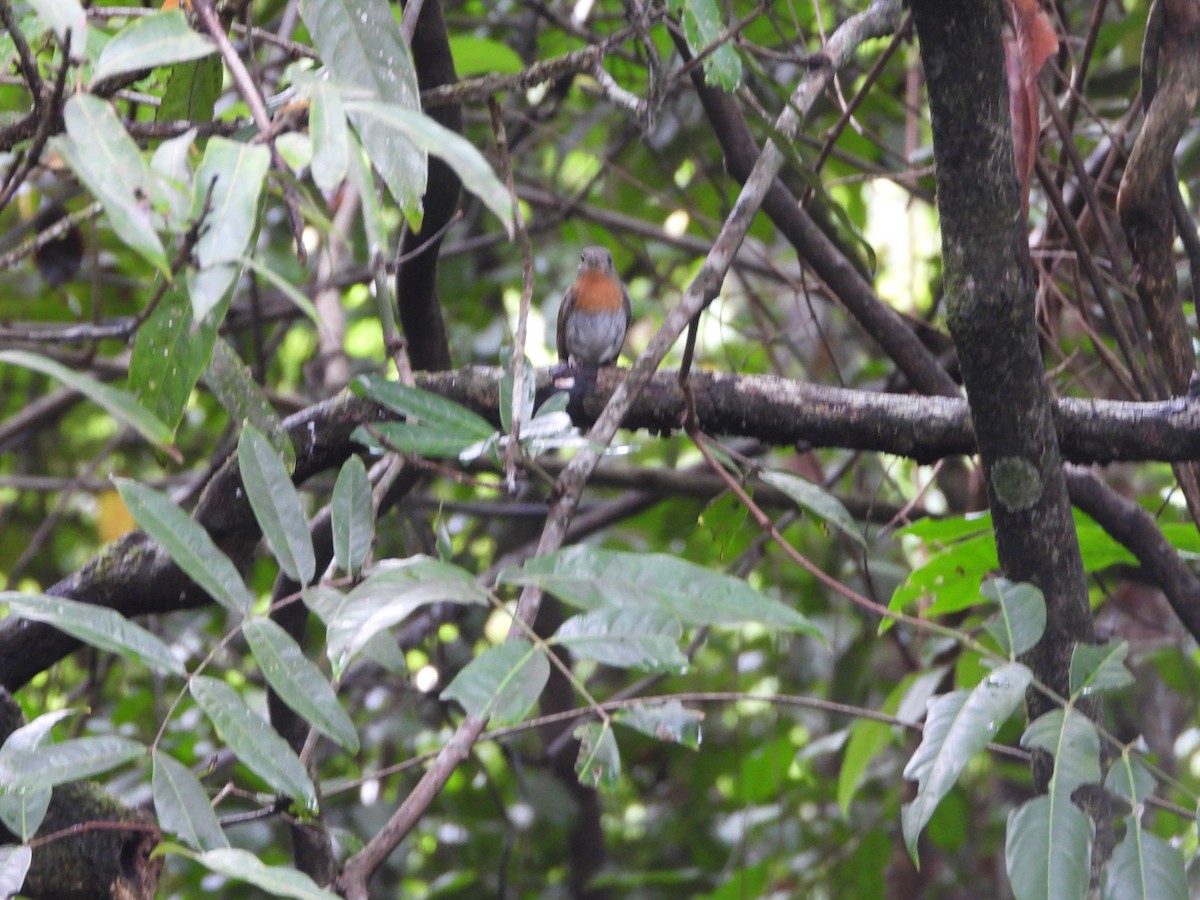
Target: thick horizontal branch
(781, 412)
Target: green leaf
(278, 881)
(353, 516)
(1072, 740)
(234, 386)
(1099, 668)
(1144, 867)
(182, 805)
(236, 174)
(423, 407)
(116, 402)
(151, 41)
(502, 683)
(599, 762)
(187, 543)
(1129, 779)
(592, 578)
(105, 158)
(325, 603)
(97, 626)
(1022, 618)
(62, 16)
(298, 682)
(433, 426)
(22, 811)
(169, 355)
(457, 152)
(276, 505)
(171, 185)
(330, 137)
(702, 27)
(360, 42)
(14, 866)
(668, 721)
(253, 740)
(818, 501)
(951, 577)
(477, 55)
(629, 638)
(363, 179)
(191, 92)
(506, 393)
(1047, 850)
(429, 441)
(390, 595)
(73, 760)
(958, 726)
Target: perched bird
(594, 314)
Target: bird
(594, 314)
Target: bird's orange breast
(596, 293)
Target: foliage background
(792, 790)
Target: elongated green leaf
(423, 407)
(958, 726)
(183, 807)
(249, 736)
(231, 381)
(22, 811)
(14, 865)
(353, 516)
(669, 721)
(1047, 850)
(191, 92)
(63, 16)
(388, 596)
(276, 505)
(457, 152)
(360, 42)
(1144, 867)
(98, 626)
(1072, 740)
(817, 501)
(325, 603)
(105, 158)
(630, 638)
(171, 171)
(151, 41)
(1022, 618)
(278, 881)
(298, 682)
(592, 578)
(502, 683)
(702, 27)
(187, 543)
(169, 355)
(599, 762)
(429, 441)
(73, 760)
(1099, 668)
(330, 137)
(116, 402)
(1129, 778)
(236, 174)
